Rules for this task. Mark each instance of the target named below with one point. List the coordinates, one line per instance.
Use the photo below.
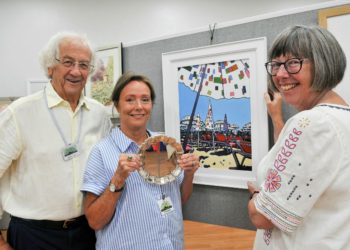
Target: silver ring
(129, 158)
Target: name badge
(165, 205)
(70, 152)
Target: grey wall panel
(216, 205)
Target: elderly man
(45, 139)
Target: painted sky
(237, 110)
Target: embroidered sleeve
(300, 167)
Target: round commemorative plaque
(159, 156)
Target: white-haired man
(45, 139)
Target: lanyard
(58, 127)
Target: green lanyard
(71, 149)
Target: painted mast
(194, 107)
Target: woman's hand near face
(274, 108)
(274, 104)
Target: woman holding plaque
(127, 211)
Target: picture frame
(36, 85)
(336, 20)
(254, 52)
(108, 68)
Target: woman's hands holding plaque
(127, 164)
(189, 163)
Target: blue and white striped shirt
(137, 222)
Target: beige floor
(203, 236)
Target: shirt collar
(122, 141)
(53, 99)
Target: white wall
(339, 26)
(26, 25)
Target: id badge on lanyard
(70, 151)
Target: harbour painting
(215, 113)
(214, 106)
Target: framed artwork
(35, 85)
(214, 105)
(108, 68)
(337, 20)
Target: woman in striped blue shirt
(125, 210)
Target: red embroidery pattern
(293, 138)
(289, 145)
(273, 181)
(286, 150)
(297, 132)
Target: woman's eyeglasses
(292, 66)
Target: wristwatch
(114, 189)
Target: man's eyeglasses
(292, 66)
(69, 63)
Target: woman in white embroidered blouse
(302, 198)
